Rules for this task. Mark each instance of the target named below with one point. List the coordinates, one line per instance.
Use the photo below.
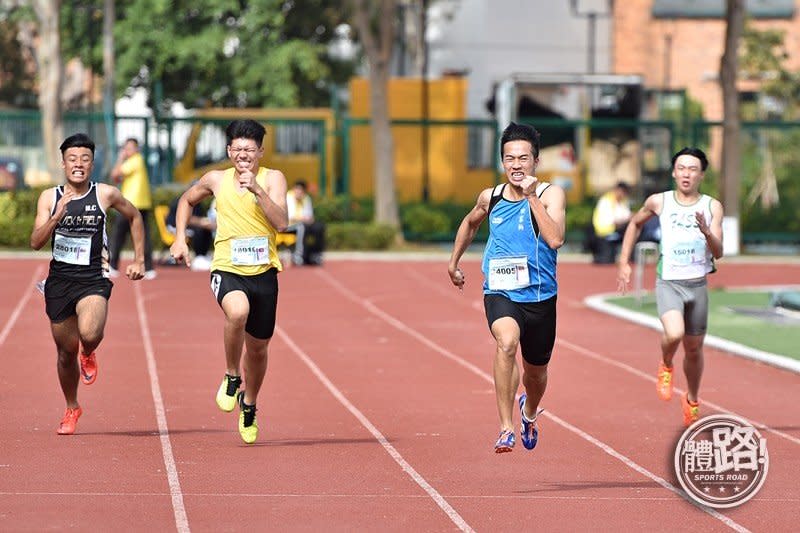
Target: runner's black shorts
(536, 320)
(61, 295)
(262, 294)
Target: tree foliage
(764, 56)
(16, 74)
(222, 52)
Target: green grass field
(752, 331)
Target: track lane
(314, 465)
(110, 472)
(443, 408)
(590, 384)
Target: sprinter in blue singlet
(526, 228)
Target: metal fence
(165, 143)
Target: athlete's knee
(67, 357)
(535, 373)
(90, 339)
(507, 345)
(673, 336)
(236, 317)
(259, 353)
(693, 350)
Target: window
(757, 9)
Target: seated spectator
(201, 228)
(609, 220)
(310, 233)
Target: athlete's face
(518, 161)
(77, 163)
(688, 173)
(245, 154)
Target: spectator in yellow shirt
(609, 220)
(130, 172)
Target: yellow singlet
(245, 241)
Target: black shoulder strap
(540, 188)
(497, 195)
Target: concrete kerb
(598, 303)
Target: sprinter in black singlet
(73, 218)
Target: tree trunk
(51, 79)
(109, 16)
(386, 211)
(731, 121)
(378, 46)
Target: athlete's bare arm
(272, 201)
(45, 223)
(112, 197)
(466, 233)
(203, 188)
(651, 208)
(712, 231)
(549, 211)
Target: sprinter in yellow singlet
(251, 209)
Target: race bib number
(508, 273)
(72, 250)
(250, 251)
(689, 252)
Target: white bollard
(642, 251)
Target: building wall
(641, 45)
(449, 177)
(489, 40)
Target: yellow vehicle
(299, 143)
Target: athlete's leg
(693, 364)
(506, 374)
(534, 379)
(92, 312)
(672, 335)
(236, 307)
(65, 335)
(148, 243)
(299, 244)
(119, 234)
(255, 366)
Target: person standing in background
(130, 172)
(609, 220)
(310, 233)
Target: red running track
(377, 414)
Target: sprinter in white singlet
(691, 239)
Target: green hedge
(359, 236)
(350, 227)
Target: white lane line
(599, 302)
(366, 496)
(20, 305)
(391, 450)
(587, 352)
(649, 377)
(181, 521)
(563, 423)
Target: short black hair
(623, 187)
(133, 140)
(302, 184)
(521, 132)
(245, 129)
(78, 140)
(696, 152)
